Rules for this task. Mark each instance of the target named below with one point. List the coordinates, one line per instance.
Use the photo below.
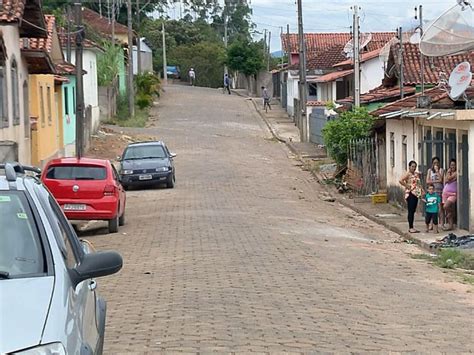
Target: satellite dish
(459, 80)
(415, 38)
(452, 33)
(364, 39)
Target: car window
(63, 232)
(76, 172)
(116, 175)
(144, 152)
(21, 249)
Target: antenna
(459, 80)
(452, 33)
(364, 39)
(415, 38)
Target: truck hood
(144, 164)
(24, 305)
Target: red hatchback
(87, 189)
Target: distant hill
(277, 54)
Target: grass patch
(453, 258)
(467, 279)
(140, 119)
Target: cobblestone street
(244, 256)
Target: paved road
(243, 255)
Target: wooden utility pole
(302, 117)
(356, 54)
(131, 91)
(288, 45)
(422, 60)
(139, 53)
(165, 65)
(226, 71)
(79, 82)
(400, 61)
(268, 50)
(113, 22)
(265, 44)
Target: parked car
(172, 72)
(87, 189)
(147, 163)
(50, 304)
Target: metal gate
(463, 184)
(317, 121)
(363, 165)
(284, 90)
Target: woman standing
(450, 192)
(413, 191)
(435, 176)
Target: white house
(15, 134)
(146, 58)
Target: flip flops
(413, 231)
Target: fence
(363, 169)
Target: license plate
(74, 207)
(145, 177)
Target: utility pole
(113, 22)
(268, 54)
(288, 45)
(356, 54)
(265, 44)
(226, 71)
(281, 36)
(400, 61)
(139, 53)
(165, 70)
(68, 29)
(302, 117)
(131, 91)
(79, 82)
(422, 60)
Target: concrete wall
(253, 84)
(18, 132)
(292, 92)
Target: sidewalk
(388, 215)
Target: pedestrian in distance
(192, 76)
(432, 206)
(266, 99)
(450, 192)
(435, 176)
(226, 83)
(413, 191)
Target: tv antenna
(348, 50)
(452, 33)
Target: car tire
(170, 182)
(125, 187)
(114, 224)
(122, 219)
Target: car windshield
(21, 250)
(144, 152)
(76, 172)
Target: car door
(120, 189)
(83, 297)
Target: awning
(326, 78)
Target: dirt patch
(109, 143)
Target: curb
(404, 235)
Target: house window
(26, 114)
(312, 90)
(3, 95)
(15, 93)
(392, 149)
(43, 116)
(404, 152)
(48, 98)
(66, 100)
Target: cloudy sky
(336, 15)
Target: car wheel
(125, 187)
(170, 182)
(122, 219)
(114, 224)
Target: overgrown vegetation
(108, 64)
(338, 133)
(147, 87)
(454, 258)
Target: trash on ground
(453, 241)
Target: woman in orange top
(413, 191)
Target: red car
(87, 189)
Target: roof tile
(12, 10)
(45, 44)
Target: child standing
(432, 201)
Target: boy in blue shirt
(432, 203)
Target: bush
(338, 133)
(143, 101)
(147, 84)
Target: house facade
(146, 56)
(15, 136)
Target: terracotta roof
(379, 94)
(363, 58)
(12, 10)
(45, 44)
(333, 76)
(326, 49)
(316, 103)
(101, 24)
(61, 79)
(433, 65)
(439, 100)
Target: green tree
(246, 57)
(108, 64)
(350, 125)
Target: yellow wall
(47, 137)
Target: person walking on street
(450, 192)
(435, 176)
(192, 76)
(226, 83)
(432, 203)
(413, 191)
(266, 99)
